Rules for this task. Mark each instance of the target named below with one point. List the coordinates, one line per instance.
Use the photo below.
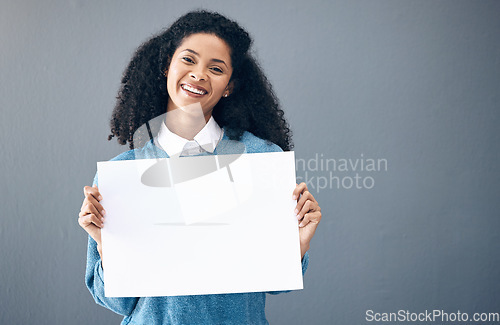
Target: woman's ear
(229, 89)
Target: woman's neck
(186, 122)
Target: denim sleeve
(95, 284)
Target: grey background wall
(414, 83)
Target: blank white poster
(227, 229)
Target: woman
(200, 72)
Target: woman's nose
(198, 75)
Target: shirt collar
(207, 138)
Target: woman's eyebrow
(214, 60)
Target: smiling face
(199, 72)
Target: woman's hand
(308, 213)
(91, 216)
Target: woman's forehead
(206, 45)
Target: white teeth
(193, 90)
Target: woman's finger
(311, 217)
(90, 219)
(90, 224)
(308, 206)
(92, 191)
(89, 208)
(306, 196)
(305, 220)
(97, 205)
(299, 189)
(90, 197)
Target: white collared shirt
(206, 140)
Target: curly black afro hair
(251, 107)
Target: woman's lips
(193, 90)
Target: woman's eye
(216, 69)
(187, 59)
